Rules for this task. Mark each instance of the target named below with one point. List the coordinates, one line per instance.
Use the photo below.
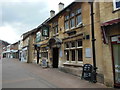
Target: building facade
(11, 51)
(64, 40)
(70, 40)
(3, 44)
(110, 26)
(26, 46)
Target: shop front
(111, 37)
(44, 55)
(115, 43)
(24, 54)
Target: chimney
(52, 13)
(61, 6)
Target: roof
(25, 35)
(15, 43)
(44, 23)
(62, 10)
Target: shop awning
(108, 23)
(111, 22)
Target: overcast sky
(20, 16)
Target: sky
(20, 16)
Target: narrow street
(16, 74)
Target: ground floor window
(74, 51)
(80, 54)
(67, 54)
(73, 55)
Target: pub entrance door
(55, 57)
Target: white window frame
(114, 5)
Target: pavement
(16, 74)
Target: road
(16, 74)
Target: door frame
(113, 63)
(53, 57)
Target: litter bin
(88, 72)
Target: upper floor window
(38, 36)
(78, 16)
(66, 22)
(72, 22)
(55, 27)
(73, 19)
(116, 4)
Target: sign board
(88, 53)
(115, 39)
(45, 31)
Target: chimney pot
(52, 13)
(61, 6)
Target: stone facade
(3, 45)
(108, 14)
(69, 44)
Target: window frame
(55, 28)
(76, 48)
(72, 17)
(114, 5)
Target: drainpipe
(93, 41)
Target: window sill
(116, 10)
(73, 63)
(55, 35)
(72, 29)
(47, 38)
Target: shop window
(116, 4)
(80, 55)
(45, 54)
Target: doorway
(116, 63)
(55, 57)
